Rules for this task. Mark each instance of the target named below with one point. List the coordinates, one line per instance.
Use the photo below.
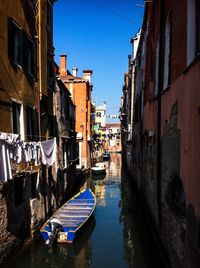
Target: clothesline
(37, 136)
(21, 151)
(17, 136)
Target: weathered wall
(14, 84)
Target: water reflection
(98, 177)
(115, 237)
(74, 255)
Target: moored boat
(106, 155)
(98, 168)
(69, 218)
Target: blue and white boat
(106, 155)
(64, 224)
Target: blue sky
(95, 34)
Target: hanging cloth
(5, 167)
(48, 151)
(6, 142)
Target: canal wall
(175, 228)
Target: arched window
(167, 59)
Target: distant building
(80, 89)
(66, 120)
(100, 121)
(127, 107)
(113, 137)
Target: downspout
(159, 161)
(39, 66)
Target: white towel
(48, 151)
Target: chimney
(74, 71)
(87, 74)
(63, 65)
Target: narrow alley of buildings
(52, 133)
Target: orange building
(80, 89)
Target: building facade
(127, 107)
(35, 171)
(166, 125)
(80, 89)
(113, 137)
(99, 128)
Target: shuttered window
(22, 50)
(15, 36)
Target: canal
(116, 236)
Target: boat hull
(71, 216)
(97, 170)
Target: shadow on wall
(193, 237)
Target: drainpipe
(160, 85)
(39, 66)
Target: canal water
(115, 237)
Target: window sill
(195, 60)
(15, 65)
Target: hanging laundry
(36, 149)
(16, 152)
(48, 151)
(26, 152)
(9, 137)
(5, 167)
(7, 140)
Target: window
(22, 50)
(157, 66)
(78, 153)
(17, 119)
(34, 191)
(50, 73)
(193, 29)
(49, 15)
(65, 155)
(98, 114)
(167, 57)
(29, 55)
(19, 190)
(14, 42)
(32, 2)
(49, 21)
(197, 17)
(32, 124)
(52, 125)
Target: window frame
(20, 128)
(168, 51)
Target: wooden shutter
(10, 27)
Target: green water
(115, 237)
